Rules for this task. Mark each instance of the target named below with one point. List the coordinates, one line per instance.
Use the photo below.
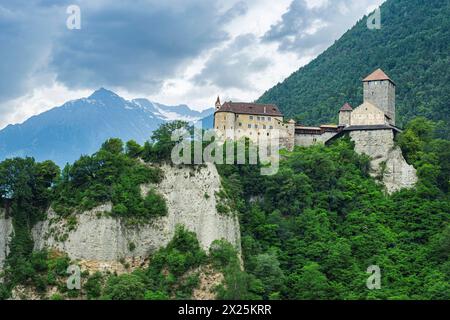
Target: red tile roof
(251, 108)
(377, 75)
(346, 107)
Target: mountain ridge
(80, 126)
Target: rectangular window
(256, 126)
(240, 124)
(264, 127)
(251, 117)
(263, 118)
(271, 127)
(269, 119)
(249, 126)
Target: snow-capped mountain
(170, 113)
(80, 126)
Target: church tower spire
(218, 104)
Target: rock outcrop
(6, 230)
(104, 240)
(387, 158)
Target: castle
(371, 126)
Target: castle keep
(371, 126)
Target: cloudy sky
(171, 51)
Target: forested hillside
(308, 232)
(312, 230)
(412, 47)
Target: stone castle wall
(382, 95)
(307, 140)
(367, 114)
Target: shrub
(93, 286)
(155, 204)
(125, 287)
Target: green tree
(133, 149)
(310, 284)
(269, 272)
(124, 287)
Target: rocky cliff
(102, 241)
(6, 229)
(387, 162)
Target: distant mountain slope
(413, 47)
(207, 122)
(78, 127)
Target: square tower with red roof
(379, 90)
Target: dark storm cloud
(25, 44)
(309, 30)
(135, 45)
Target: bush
(56, 297)
(155, 204)
(124, 287)
(156, 295)
(93, 286)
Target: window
(269, 119)
(264, 127)
(271, 127)
(249, 126)
(258, 118)
(223, 127)
(256, 126)
(251, 117)
(240, 124)
(268, 134)
(263, 119)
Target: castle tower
(345, 115)
(218, 105)
(379, 90)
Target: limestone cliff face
(103, 240)
(387, 159)
(6, 230)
